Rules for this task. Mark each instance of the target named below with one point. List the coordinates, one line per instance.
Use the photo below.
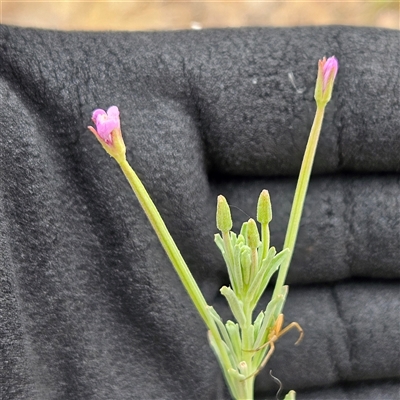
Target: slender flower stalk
(327, 70)
(108, 133)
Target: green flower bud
(264, 209)
(224, 219)
(243, 230)
(253, 237)
(245, 261)
(290, 396)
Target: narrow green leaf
(265, 274)
(270, 255)
(225, 336)
(274, 308)
(234, 334)
(243, 230)
(283, 294)
(213, 345)
(220, 324)
(258, 279)
(224, 243)
(219, 242)
(268, 321)
(236, 374)
(229, 378)
(235, 305)
(240, 240)
(233, 238)
(237, 270)
(250, 334)
(257, 324)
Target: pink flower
(106, 122)
(108, 131)
(329, 70)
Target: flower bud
(264, 209)
(108, 131)
(224, 219)
(327, 70)
(253, 237)
(290, 396)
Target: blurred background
(178, 14)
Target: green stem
(175, 256)
(265, 239)
(247, 386)
(299, 197)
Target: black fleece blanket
(90, 306)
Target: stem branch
(176, 258)
(299, 197)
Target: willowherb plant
(243, 347)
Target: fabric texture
(90, 306)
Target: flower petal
(97, 113)
(113, 112)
